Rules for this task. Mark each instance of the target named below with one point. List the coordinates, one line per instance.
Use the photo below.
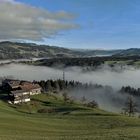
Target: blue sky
(107, 24)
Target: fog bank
(101, 76)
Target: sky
(85, 24)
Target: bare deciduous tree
(130, 107)
(65, 97)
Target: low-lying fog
(18, 60)
(101, 76)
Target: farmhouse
(20, 91)
(19, 96)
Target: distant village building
(20, 91)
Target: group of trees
(61, 85)
(130, 90)
(67, 62)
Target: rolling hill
(129, 52)
(92, 53)
(16, 50)
(69, 122)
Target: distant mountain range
(16, 50)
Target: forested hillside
(16, 50)
(12, 50)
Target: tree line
(83, 61)
(60, 85)
(130, 90)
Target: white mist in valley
(111, 101)
(101, 76)
(104, 76)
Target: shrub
(46, 110)
(92, 104)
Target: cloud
(22, 21)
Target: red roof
(24, 85)
(30, 86)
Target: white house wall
(21, 101)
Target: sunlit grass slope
(67, 122)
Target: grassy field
(134, 63)
(64, 122)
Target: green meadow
(49, 118)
